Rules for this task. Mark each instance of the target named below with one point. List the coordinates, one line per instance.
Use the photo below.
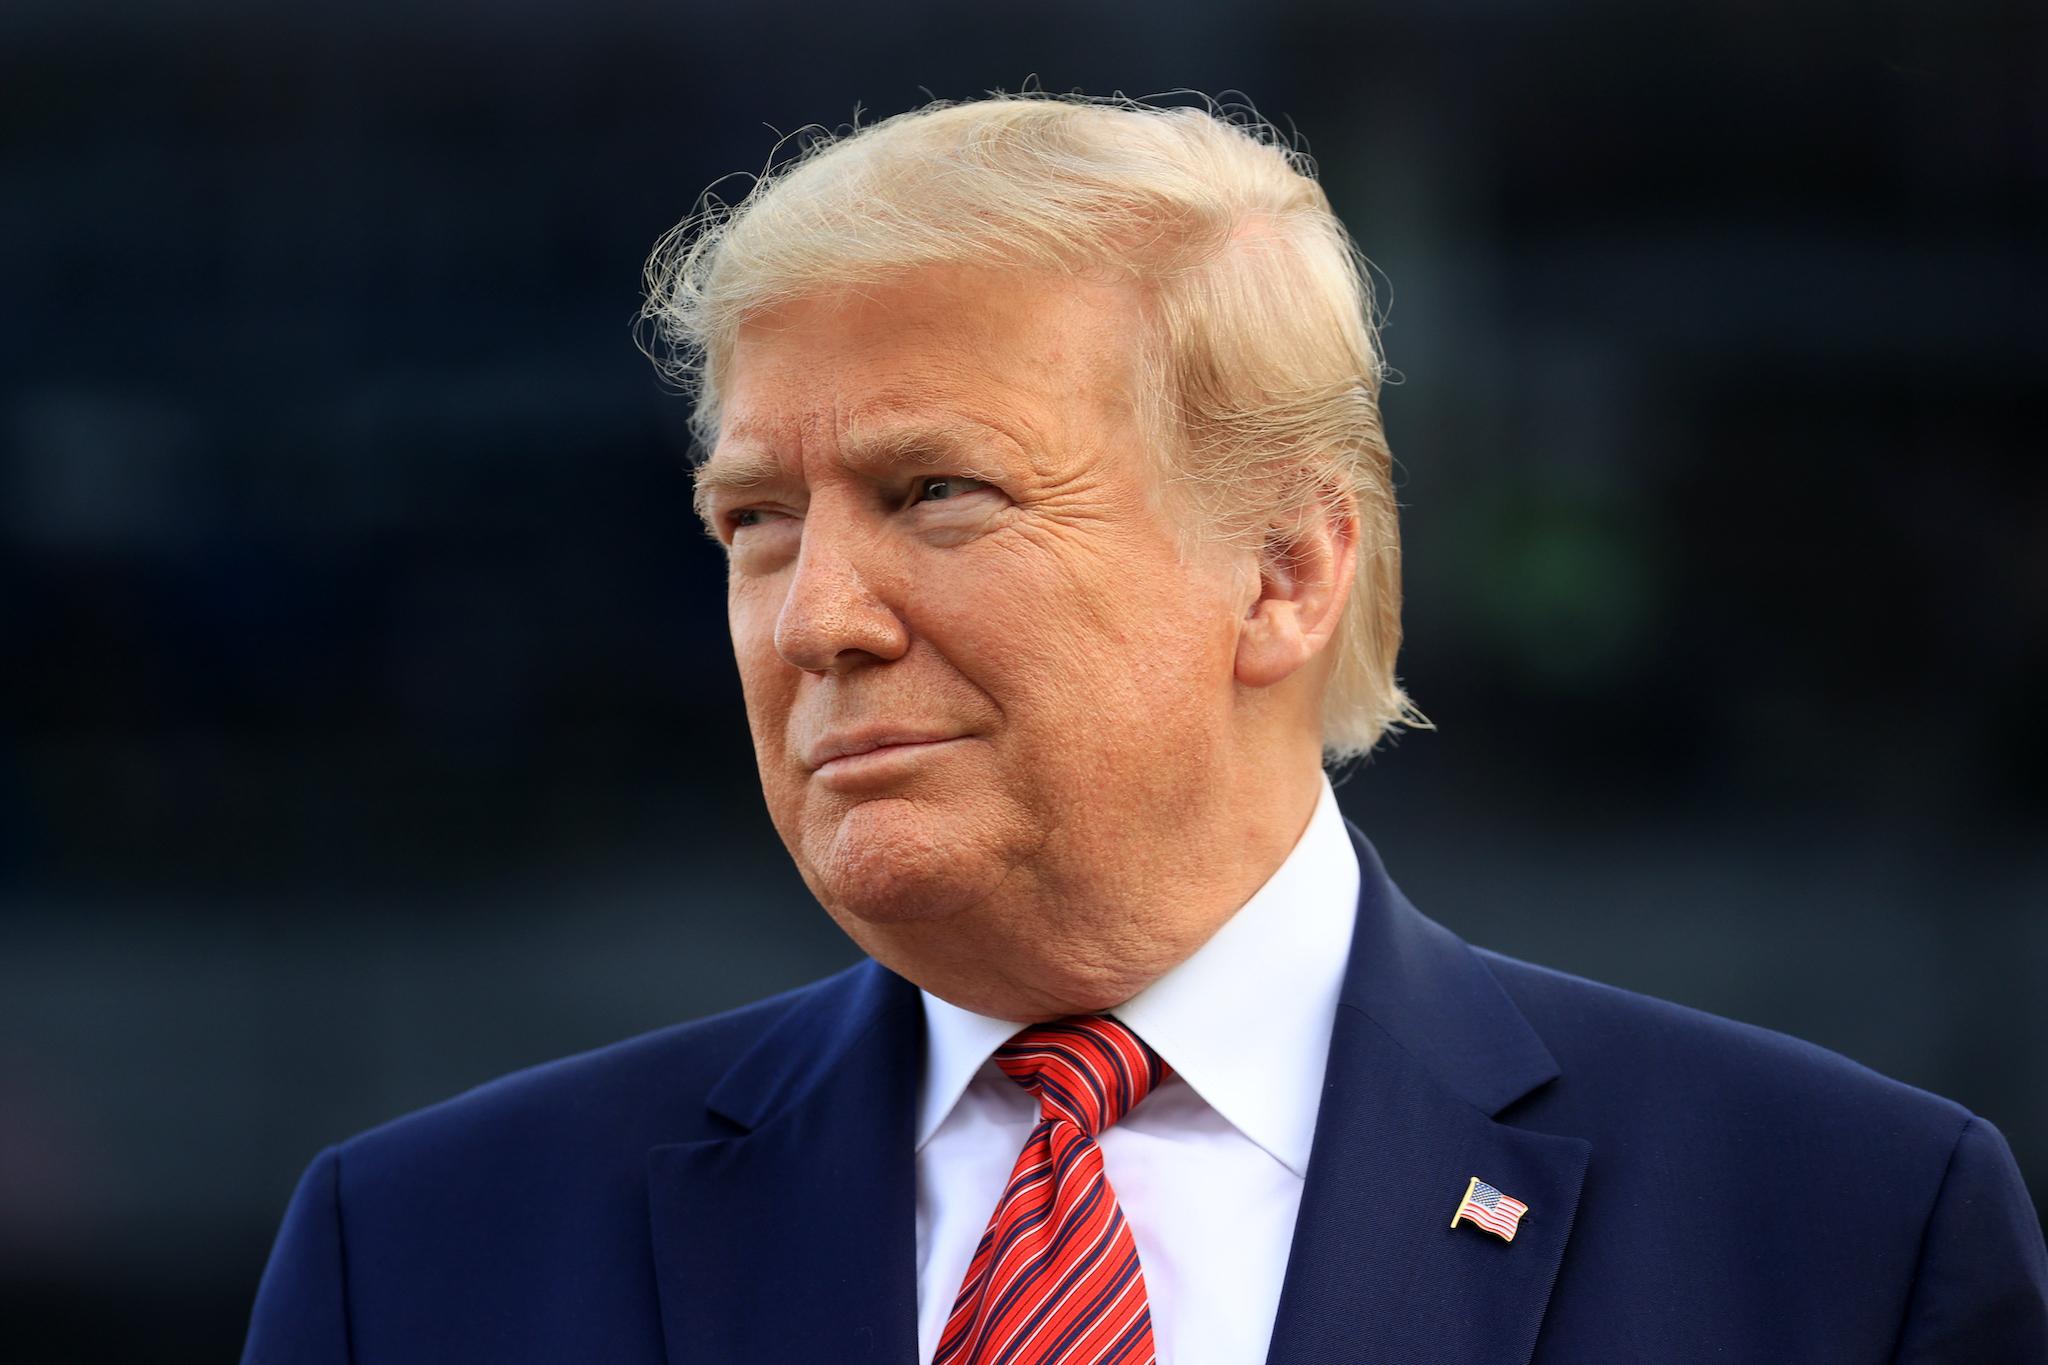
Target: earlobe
(1306, 566)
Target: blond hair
(1264, 365)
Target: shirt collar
(1245, 1021)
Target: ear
(1306, 567)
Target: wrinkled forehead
(936, 334)
(932, 369)
(916, 430)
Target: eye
(944, 486)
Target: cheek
(1151, 624)
(1099, 670)
(764, 676)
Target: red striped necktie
(1056, 1280)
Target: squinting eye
(948, 486)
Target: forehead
(938, 359)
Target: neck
(1114, 913)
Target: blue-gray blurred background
(369, 723)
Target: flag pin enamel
(1486, 1207)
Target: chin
(892, 862)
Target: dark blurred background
(369, 723)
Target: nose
(833, 620)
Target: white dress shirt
(1209, 1167)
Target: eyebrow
(950, 445)
(735, 473)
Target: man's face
(981, 676)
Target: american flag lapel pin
(1486, 1207)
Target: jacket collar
(1427, 1049)
(816, 1186)
(795, 1238)
(839, 1023)
(1419, 982)
(1431, 995)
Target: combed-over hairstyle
(1264, 365)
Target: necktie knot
(1087, 1069)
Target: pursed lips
(866, 740)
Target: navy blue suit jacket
(740, 1189)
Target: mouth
(859, 755)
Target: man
(1045, 447)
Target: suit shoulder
(641, 1090)
(1670, 1052)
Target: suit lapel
(795, 1238)
(816, 1186)
(1426, 1050)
